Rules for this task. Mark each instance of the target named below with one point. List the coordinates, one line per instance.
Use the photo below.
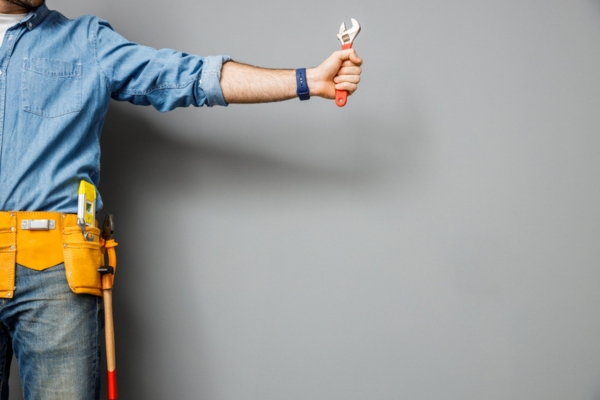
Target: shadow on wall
(378, 150)
(134, 149)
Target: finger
(347, 86)
(350, 70)
(349, 54)
(354, 79)
(349, 63)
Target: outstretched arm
(243, 83)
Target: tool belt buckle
(38, 224)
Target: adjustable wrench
(346, 36)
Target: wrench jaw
(348, 35)
(343, 36)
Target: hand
(340, 71)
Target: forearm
(243, 83)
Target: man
(56, 79)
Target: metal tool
(107, 272)
(86, 208)
(346, 36)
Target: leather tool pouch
(40, 249)
(7, 254)
(82, 260)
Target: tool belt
(40, 240)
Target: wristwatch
(301, 85)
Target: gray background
(435, 239)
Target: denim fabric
(56, 79)
(57, 345)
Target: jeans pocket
(51, 88)
(82, 260)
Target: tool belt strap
(40, 240)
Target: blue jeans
(55, 335)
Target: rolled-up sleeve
(165, 78)
(210, 79)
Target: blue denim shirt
(56, 79)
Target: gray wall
(435, 239)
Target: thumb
(353, 57)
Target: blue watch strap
(301, 85)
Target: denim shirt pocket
(51, 88)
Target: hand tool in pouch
(108, 273)
(86, 208)
(347, 37)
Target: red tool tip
(112, 385)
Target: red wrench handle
(341, 96)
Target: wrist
(315, 85)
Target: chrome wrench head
(348, 35)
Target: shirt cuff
(210, 78)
